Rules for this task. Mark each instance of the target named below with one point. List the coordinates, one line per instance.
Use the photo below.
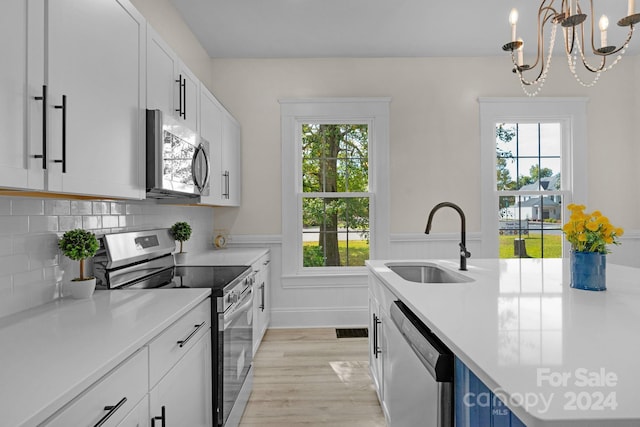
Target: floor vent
(352, 333)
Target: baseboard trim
(313, 317)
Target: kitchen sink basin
(426, 272)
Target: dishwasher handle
(433, 354)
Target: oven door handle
(240, 309)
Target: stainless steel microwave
(178, 163)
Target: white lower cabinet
(168, 382)
(111, 398)
(183, 396)
(261, 300)
(380, 300)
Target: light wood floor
(308, 377)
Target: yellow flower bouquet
(590, 232)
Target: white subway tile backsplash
(27, 207)
(91, 222)
(32, 268)
(10, 225)
(38, 224)
(110, 221)
(101, 208)
(27, 277)
(66, 223)
(12, 264)
(117, 208)
(80, 207)
(57, 207)
(5, 206)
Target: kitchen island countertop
(53, 352)
(558, 356)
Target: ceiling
(366, 28)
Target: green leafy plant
(79, 245)
(181, 231)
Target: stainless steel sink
(426, 272)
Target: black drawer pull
(112, 410)
(63, 107)
(162, 418)
(43, 98)
(184, 341)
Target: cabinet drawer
(121, 389)
(176, 340)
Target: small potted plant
(181, 231)
(79, 245)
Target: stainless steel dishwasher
(420, 385)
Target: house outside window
(335, 184)
(534, 164)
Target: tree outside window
(335, 194)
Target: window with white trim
(334, 187)
(534, 163)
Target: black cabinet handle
(226, 184)
(43, 98)
(182, 95)
(182, 343)
(162, 418)
(63, 107)
(375, 349)
(262, 297)
(112, 410)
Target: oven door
(238, 350)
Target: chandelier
(572, 20)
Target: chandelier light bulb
(513, 20)
(603, 24)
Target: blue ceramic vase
(588, 271)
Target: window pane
(528, 139)
(337, 154)
(530, 226)
(335, 231)
(550, 139)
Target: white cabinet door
(189, 97)
(22, 47)
(261, 300)
(183, 397)
(171, 86)
(95, 78)
(211, 113)
(162, 64)
(231, 161)
(110, 399)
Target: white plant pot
(180, 258)
(80, 289)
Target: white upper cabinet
(231, 161)
(78, 108)
(171, 86)
(21, 116)
(96, 97)
(211, 113)
(222, 131)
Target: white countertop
(520, 327)
(51, 353)
(227, 256)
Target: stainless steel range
(144, 260)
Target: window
(335, 194)
(334, 187)
(534, 162)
